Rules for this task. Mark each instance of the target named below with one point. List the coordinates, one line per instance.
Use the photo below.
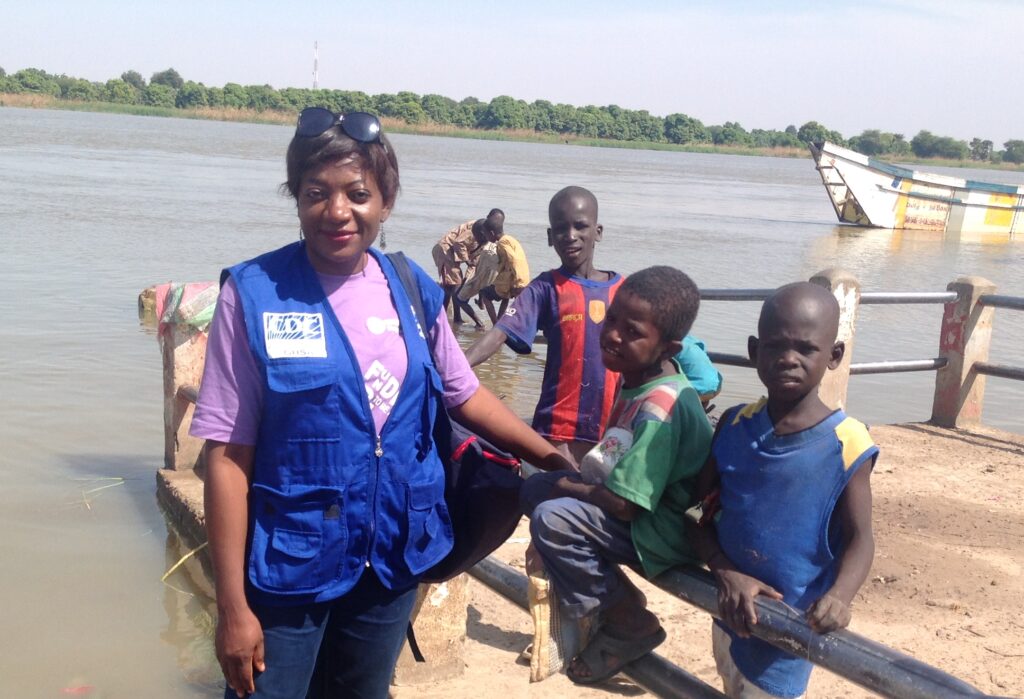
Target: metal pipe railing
(735, 294)
(853, 657)
(1003, 371)
(890, 297)
(890, 366)
(1002, 301)
(866, 297)
(893, 366)
(656, 674)
(730, 359)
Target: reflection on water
(97, 207)
(191, 614)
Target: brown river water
(95, 207)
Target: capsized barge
(868, 192)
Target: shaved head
(574, 194)
(801, 302)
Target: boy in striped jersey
(568, 305)
(627, 504)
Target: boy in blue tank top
(792, 477)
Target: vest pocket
(299, 538)
(302, 397)
(430, 528)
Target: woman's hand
(239, 645)
(828, 614)
(736, 593)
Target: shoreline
(38, 101)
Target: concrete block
(439, 621)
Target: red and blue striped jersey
(577, 391)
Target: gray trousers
(580, 545)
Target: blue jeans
(580, 544)
(352, 643)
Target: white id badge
(294, 335)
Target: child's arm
(517, 328)
(736, 591)
(482, 349)
(832, 611)
(572, 486)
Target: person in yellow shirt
(459, 246)
(513, 269)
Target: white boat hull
(868, 192)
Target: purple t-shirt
(231, 394)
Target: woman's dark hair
(305, 154)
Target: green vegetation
(504, 117)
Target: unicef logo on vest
(294, 335)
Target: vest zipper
(378, 451)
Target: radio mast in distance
(316, 66)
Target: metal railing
(652, 671)
(855, 658)
(1000, 301)
(890, 366)
(1003, 371)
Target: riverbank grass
(38, 101)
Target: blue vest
(329, 497)
(778, 495)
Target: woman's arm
(485, 414)
(239, 641)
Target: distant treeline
(169, 90)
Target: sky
(955, 68)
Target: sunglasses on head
(359, 126)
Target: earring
(302, 235)
(383, 238)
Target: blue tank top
(778, 495)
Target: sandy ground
(945, 587)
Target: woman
(324, 491)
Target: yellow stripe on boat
(1000, 211)
(901, 203)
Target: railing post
(964, 339)
(845, 287)
(183, 347)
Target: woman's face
(340, 210)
